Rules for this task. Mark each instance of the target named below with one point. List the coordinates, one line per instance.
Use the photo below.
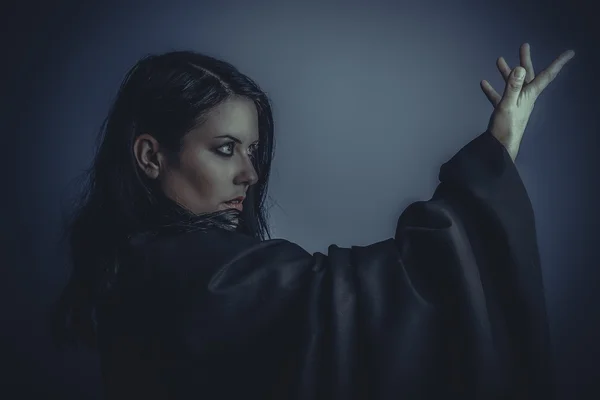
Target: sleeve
(492, 294)
(453, 305)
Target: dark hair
(167, 96)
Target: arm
(378, 320)
(493, 294)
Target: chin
(222, 207)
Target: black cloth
(453, 305)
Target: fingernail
(519, 73)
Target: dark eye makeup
(227, 149)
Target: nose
(247, 174)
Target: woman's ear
(147, 156)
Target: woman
(176, 283)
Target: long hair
(167, 96)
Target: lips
(236, 203)
(238, 199)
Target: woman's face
(215, 164)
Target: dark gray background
(370, 98)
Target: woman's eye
(253, 150)
(226, 149)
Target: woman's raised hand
(513, 109)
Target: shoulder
(208, 254)
(213, 244)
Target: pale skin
(215, 164)
(513, 109)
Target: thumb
(514, 84)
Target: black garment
(453, 305)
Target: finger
(490, 93)
(503, 68)
(525, 55)
(544, 78)
(513, 87)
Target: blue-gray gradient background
(370, 98)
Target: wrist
(511, 146)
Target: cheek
(201, 181)
(208, 176)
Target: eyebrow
(232, 138)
